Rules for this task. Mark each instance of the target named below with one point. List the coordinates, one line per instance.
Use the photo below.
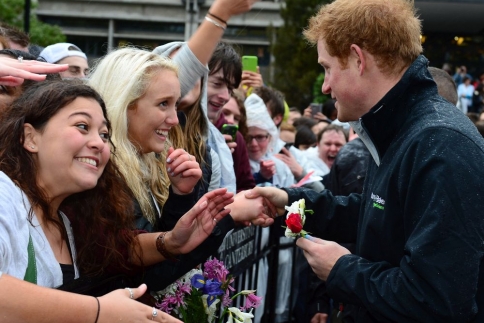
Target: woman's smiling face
(72, 149)
(152, 116)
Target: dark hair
(329, 108)
(225, 58)
(101, 217)
(333, 127)
(15, 53)
(304, 121)
(14, 34)
(273, 99)
(304, 136)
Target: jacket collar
(379, 127)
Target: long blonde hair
(122, 77)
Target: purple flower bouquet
(200, 295)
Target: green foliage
(44, 34)
(318, 95)
(296, 67)
(194, 310)
(12, 13)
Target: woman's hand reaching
(198, 223)
(13, 71)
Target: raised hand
(13, 72)
(228, 8)
(287, 158)
(198, 223)
(267, 168)
(251, 79)
(232, 144)
(118, 306)
(183, 170)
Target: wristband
(161, 247)
(218, 18)
(215, 22)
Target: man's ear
(357, 55)
(30, 138)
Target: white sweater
(14, 238)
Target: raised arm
(205, 39)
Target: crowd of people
(122, 174)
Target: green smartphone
(230, 129)
(249, 63)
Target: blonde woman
(141, 91)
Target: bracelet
(218, 18)
(98, 309)
(161, 247)
(215, 22)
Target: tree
(11, 12)
(296, 67)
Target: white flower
(236, 316)
(298, 208)
(210, 310)
(248, 291)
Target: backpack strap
(31, 272)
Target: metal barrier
(244, 251)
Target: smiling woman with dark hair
(55, 155)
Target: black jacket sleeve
(335, 218)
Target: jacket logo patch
(378, 202)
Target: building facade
(453, 29)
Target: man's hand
(255, 211)
(251, 80)
(232, 144)
(321, 254)
(275, 198)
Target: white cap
(54, 53)
(258, 116)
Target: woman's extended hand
(13, 72)
(183, 170)
(198, 223)
(117, 306)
